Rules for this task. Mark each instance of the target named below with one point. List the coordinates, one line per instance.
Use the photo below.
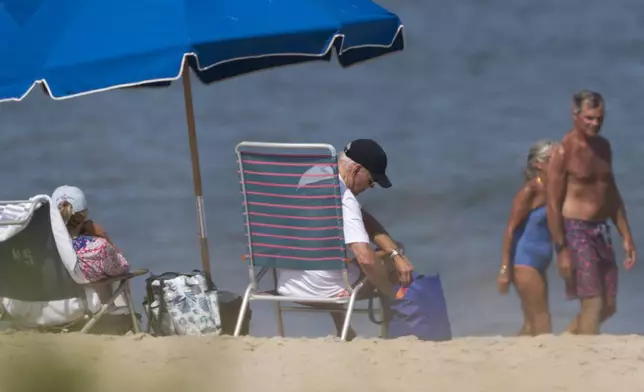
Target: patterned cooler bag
(181, 304)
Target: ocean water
(456, 112)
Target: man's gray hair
(592, 98)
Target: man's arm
(618, 209)
(357, 240)
(379, 236)
(377, 233)
(556, 194)
(619, 214)
(375, 271)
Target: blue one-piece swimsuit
(531, 243)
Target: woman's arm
(521, 207)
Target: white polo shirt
(326, 283)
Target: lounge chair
(40, 284)
(292, 225)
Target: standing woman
(527, 247)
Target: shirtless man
(582, 196)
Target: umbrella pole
(196, 174)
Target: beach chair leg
(280, 320)
(90, 324)
(347, 317)
(278, 309)
(105, 307)
(130, 305)
(242, 310)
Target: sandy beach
(109, 363)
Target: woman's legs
(533, 291)
(104, 292)
(526, 328)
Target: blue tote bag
(419, 310)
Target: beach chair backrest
(31, 268)
(292, 206)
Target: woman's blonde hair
(72, 221)
(539, 152)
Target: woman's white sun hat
(72, 195)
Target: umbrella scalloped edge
(336, 42)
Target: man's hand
(564, 263)
(404, 268)
(631, 254)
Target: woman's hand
(503, 280)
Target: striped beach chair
(292, 211)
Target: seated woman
(98, 258)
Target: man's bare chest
(589, 167)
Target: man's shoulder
(560, 151)
(573, 139)
(569, 139)
(572, 143)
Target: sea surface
(479, 82)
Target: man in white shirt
(362, 165)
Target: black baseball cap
(368, 154)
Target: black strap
(162, 308)
(384, 303)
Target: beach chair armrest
(128, 276)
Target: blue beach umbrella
(78, 47)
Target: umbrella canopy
(76, 47)
(82, 46)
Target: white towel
(24, 212)
(16, 212)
